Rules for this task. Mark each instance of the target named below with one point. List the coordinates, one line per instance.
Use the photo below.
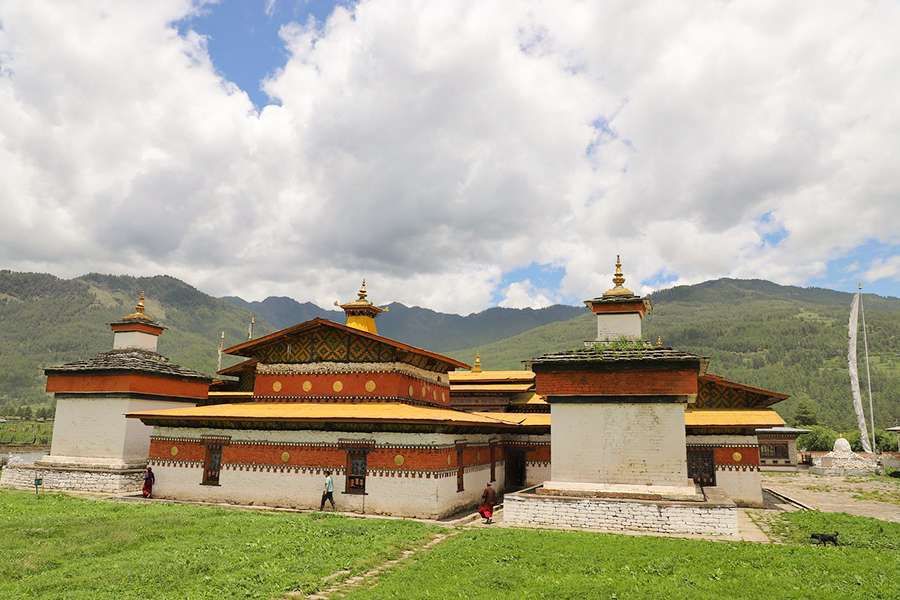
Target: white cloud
(433, 147)
(524, 294)
(884, 268)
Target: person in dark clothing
(328, 491)
(488, 501)
(149, 480)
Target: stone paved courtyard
(872, 496)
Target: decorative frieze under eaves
(339, 368)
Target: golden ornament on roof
(618, 280)
(477, 367)
(138, 309)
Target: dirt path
(861, 496)
(344, 586)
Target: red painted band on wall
(137, 383)
(645, 381)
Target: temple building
(93, 447)
(411, 432)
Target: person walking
(149, 480)
(488, 501)
(328, 491)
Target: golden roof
(490, 376)
(395, 412)
(731, 418)
(618, 280)
(692, 418)
(528, 398)
(491, 387)
(526, 419)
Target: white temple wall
(135, 339)
(619, 443)
(96, 428)
(613, 326)
(742, 486)
(424, 497)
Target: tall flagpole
(862, 311)
(221, 347)
(854, 375)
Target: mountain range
(785, 338)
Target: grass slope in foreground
(520, 563)
(56, 546)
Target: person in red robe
(488, 501)
(149, 480)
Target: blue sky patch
(242, 37)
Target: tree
(819, 438)
(806, 413)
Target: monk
(149, 480)
(488, 501)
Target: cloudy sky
(458, 155)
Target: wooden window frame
(460, 468)
(350, 478)
(493, 450)
(210, 475)
(779, 451)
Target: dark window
(493, 461)
(460, 468)
(212, 464)
(356, 471)
(773, 451)
(701, 466)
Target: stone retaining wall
(708, 518)
(111, 482)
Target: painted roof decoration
(717, 392)
(319, 340)
(131, 360)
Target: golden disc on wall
(307, 385)
(410, 390)
(443, 398)
(285, 456)
(370, 386)
(424, 391)
(449, 459)
(737, 457)
(276, 386)
(337, 386)
(399, 460)
(174, 451)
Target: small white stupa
(843, 461)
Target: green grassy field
(26, 433)
(56, 546)
(516, 563)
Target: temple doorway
(515, 469)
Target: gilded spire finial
(362, 291)
(477, 366)
(618, 279)
(659, 341)
(139, 308)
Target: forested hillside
(786, 338)
(47, 321)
